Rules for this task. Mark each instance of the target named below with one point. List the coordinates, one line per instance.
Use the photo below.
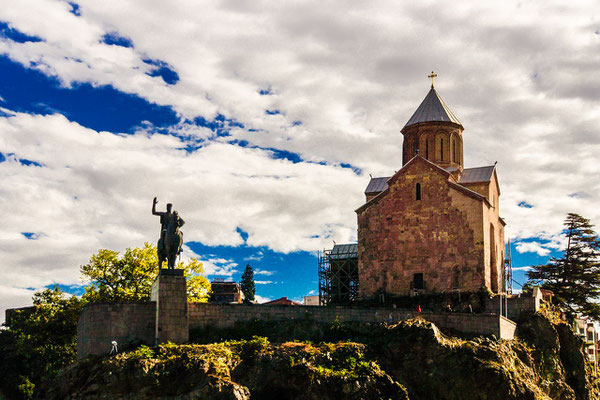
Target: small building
(225, 292)
(13, 312)
(282, 301)
(585, 329)
(311, 300)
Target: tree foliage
(130, 277)
(39, 341)
(247, 283)
(575, 277)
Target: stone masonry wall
(516, 306)
(226, 315)
(134, 323)
(125, 323)
(170, 295)
(440, 236)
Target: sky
(261, 122)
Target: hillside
(409, 360)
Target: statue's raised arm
(154, 212)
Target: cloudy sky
(261, 122)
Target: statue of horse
(170, 242)
(171, 238)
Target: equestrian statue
(171, 238)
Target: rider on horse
(171, 238)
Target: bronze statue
(171, 238)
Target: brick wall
(226, 315)
(126, 323)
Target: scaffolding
(508, 275)
(338, 275)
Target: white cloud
(263, 272)
(532, 247)
(265, 282)
(522, 268)
(261, 299)
(255, 257)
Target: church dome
(432, 109)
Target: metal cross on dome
(432, 75)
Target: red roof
(283, 301)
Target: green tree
(130, 277)
(38, 342)
(247, 283)
(575, 277)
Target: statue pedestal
(170, 294)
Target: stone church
(433, 225)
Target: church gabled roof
(377, 185)
(432, 109)
(479, 174)
(436, 168)
(344, 251)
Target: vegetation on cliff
(38, 341)
(408, 360)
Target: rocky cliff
(409, 360)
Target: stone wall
(440, 236)
(170, 294)
(516, 306)
(226, 315)
(134, 323)
(126, 323)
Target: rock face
(408, 360)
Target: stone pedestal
(170, 294)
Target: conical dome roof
(432, 109)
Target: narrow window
(454, 151)
(442, 149)
(427, 149)
(418, 191)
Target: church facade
(433, 226)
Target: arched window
(418, 191)
(441, 149)
(427, 149)
(453, 150)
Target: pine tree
(247, 283)
(575, 277)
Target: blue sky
(262, 125)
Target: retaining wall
(134, 323)
(226, 315)
(516, 306)
(126, 323)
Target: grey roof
(479, 174)
(342, 251)
(432, 109)
(377, 185)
